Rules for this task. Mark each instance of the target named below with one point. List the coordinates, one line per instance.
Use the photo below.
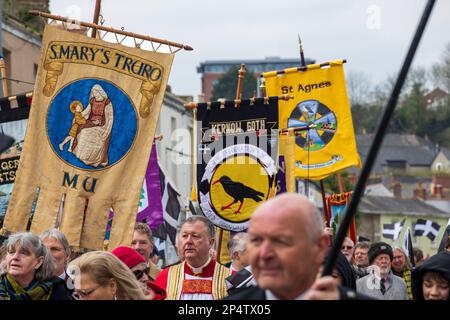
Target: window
(7, 60)
(439, 166)
(35, 68)
(172, 154)
(173, 127)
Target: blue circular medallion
(91, 124)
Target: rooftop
(411, 149)
(394, 206)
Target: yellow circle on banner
(238, 186)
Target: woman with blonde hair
(100, 275)
(401, 267)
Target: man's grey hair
(209, 226)
(58, 236)
(349, 239)
(237, 243)
(362, 245)
(33, 244)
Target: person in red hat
(137, 265)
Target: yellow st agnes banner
(320, 108)
(89, 136)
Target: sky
(373, 36)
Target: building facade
(21, 52)
(442, 161)
(175, 124)
(377, 211)
(212, 70)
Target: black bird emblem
(238, 191)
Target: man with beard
(199, 276)
(347, 248)
(381, 283)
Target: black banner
(13, 123)
(237, 151)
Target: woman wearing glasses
(100, 275)
(137, 265)
(26, 273)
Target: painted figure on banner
(92, 140)
(100, 134)
(96, 104)
(76, 107)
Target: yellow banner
(86, 147)
(320, 111)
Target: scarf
(11, 290)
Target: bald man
(286, 247)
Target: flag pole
(285, 97)
(303, 65)
(194, 153)
(410, 249)
(3, 75)
(322, 187)
(98, 4)
(378, 139)
(241, 75)
(168, 43)
(302, 55)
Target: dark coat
(439, 263)
(247, 293)
(239, 279)
(60, 290)
(256, 293)
(345, 269)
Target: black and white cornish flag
(393, 230)
(426, 228)
(408, 246)
(165, 234)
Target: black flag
(408, 247)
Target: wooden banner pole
(112, 30)
(3, 74)
(219, 245)
(98, 4)
(241, 75)
(376, 143)
(194, 105)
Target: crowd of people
(280, 257)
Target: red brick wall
(207, 84)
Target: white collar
(199, 269)
(271, 296)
